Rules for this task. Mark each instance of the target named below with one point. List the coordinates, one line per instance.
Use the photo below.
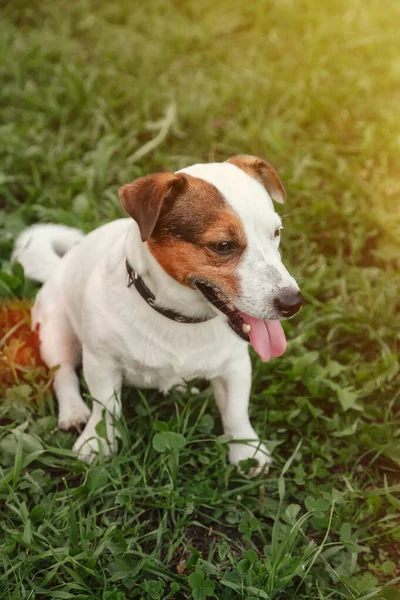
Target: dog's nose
(289, 303)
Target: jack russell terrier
(174, 293)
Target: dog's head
(213, 227)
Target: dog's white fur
(86, 312)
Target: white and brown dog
(172, 294)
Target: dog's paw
(89, 445)
(256, 455)
(185, 388)
(75, 417)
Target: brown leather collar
(133, 278)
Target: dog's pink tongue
(267, 337)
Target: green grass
(313, 87)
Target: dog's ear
(264, 173)
(144, 198)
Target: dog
(176, 292)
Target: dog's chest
(161, 359)
(152, 350)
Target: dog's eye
(277, 232)
(223, 247)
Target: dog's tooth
(246, 328)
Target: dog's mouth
(267, 337)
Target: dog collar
(133, 278)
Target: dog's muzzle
(218, 300)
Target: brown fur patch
(187, 225)
(143, 199)
(263, 172)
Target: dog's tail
(40, 248)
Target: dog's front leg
(232, 393)
(104, 380)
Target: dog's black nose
(288, 303)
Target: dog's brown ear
(143, 199)
(264, 173)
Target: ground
(96, 93)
